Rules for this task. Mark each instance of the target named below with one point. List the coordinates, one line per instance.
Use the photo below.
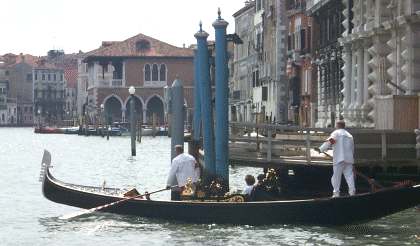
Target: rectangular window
(303, 39)
(29, 77)
(55, 77)
(264, 95)
(61, 77)
(36, 76)
(43, 76)
(257, 77)
(49, 77)
(305, 81)
(309, 34)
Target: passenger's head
(179, 149)
(340, 124)
(249, 180)
(260, 178)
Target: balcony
(296, 8)
(110, 83)
(314, 5)
(117, 83)
(103, 83)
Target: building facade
(49, 97)
(300, 68)
(150, 65)
(381, 43)
(69, 64)
(327, 54)
(16, 77)
(259, 87)
(244, 65)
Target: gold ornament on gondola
(188, 188)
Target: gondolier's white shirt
(343, 148)
(183, 167)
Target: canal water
(27, 218)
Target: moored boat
(320, 211)
(48, 130)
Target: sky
(36, 26)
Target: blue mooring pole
(197, 101)
(177, 115)
(222, 101)
(206, 104)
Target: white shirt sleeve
(172, 174)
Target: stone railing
(117, 82)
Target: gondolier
(343, 149)
(183, 167)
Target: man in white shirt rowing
(343, 150)
(183, 167)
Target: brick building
(105, 74)
(299, 65)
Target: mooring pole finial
(219, 13)
(201, 26)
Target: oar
(95, 209)
(369, 180)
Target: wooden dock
(377, 152)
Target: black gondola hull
(325, 211)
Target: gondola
(320, 211)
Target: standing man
(343, 149)
(183, 167)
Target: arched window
(162, 72)
(155, 73)
(147, 72)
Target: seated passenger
(250, 181)
(259, 193)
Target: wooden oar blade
(83, 212)
(74, 215)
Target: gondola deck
(320, 211)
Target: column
(222, 102)
(145, 116)
(123, 73)
(360, 86)
(319, 123)
(347, 78)
(353, 82)
(365, 106)
(123, 113)
(197, 101)
(206, 104)
(95, 73)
